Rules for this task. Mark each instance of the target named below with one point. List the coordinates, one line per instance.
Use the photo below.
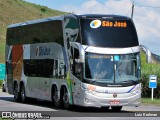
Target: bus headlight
(136, 89)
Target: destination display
(99, 56)
(114, 24)
(108, 23)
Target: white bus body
(84, 60)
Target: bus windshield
(111, 33)
(112, 68)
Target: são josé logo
(95, 24)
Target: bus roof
(68, 15)
(103, 16)
(36, 21)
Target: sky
(146, 14)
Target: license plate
(114, 102)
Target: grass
(4, 119)
(149, 101)
(15, 11)
(1, 81)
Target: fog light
(88, 100)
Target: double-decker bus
(85, 60)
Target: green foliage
(146, 70)
(1, 81)
(149, 101)
(16, 11)
(4, 118)
(43, 9)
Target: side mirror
(148, 53)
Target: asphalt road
(7, 103)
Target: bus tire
(55, 99)
(23, 94)
(65, 99)
(116, 108)
(17, 96)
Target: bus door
(45, 80)
(76, 69)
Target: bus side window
(56, 68)
(62, 70)
(76, 65)
(48, 68)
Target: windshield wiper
(93, 81)
(133, 81)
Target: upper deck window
(40, 32)
(111, 33)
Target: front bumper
(103, 100)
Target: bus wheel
(56, 100)
(65, 99)
(116, 108)
(23, 94)
(16, 93)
